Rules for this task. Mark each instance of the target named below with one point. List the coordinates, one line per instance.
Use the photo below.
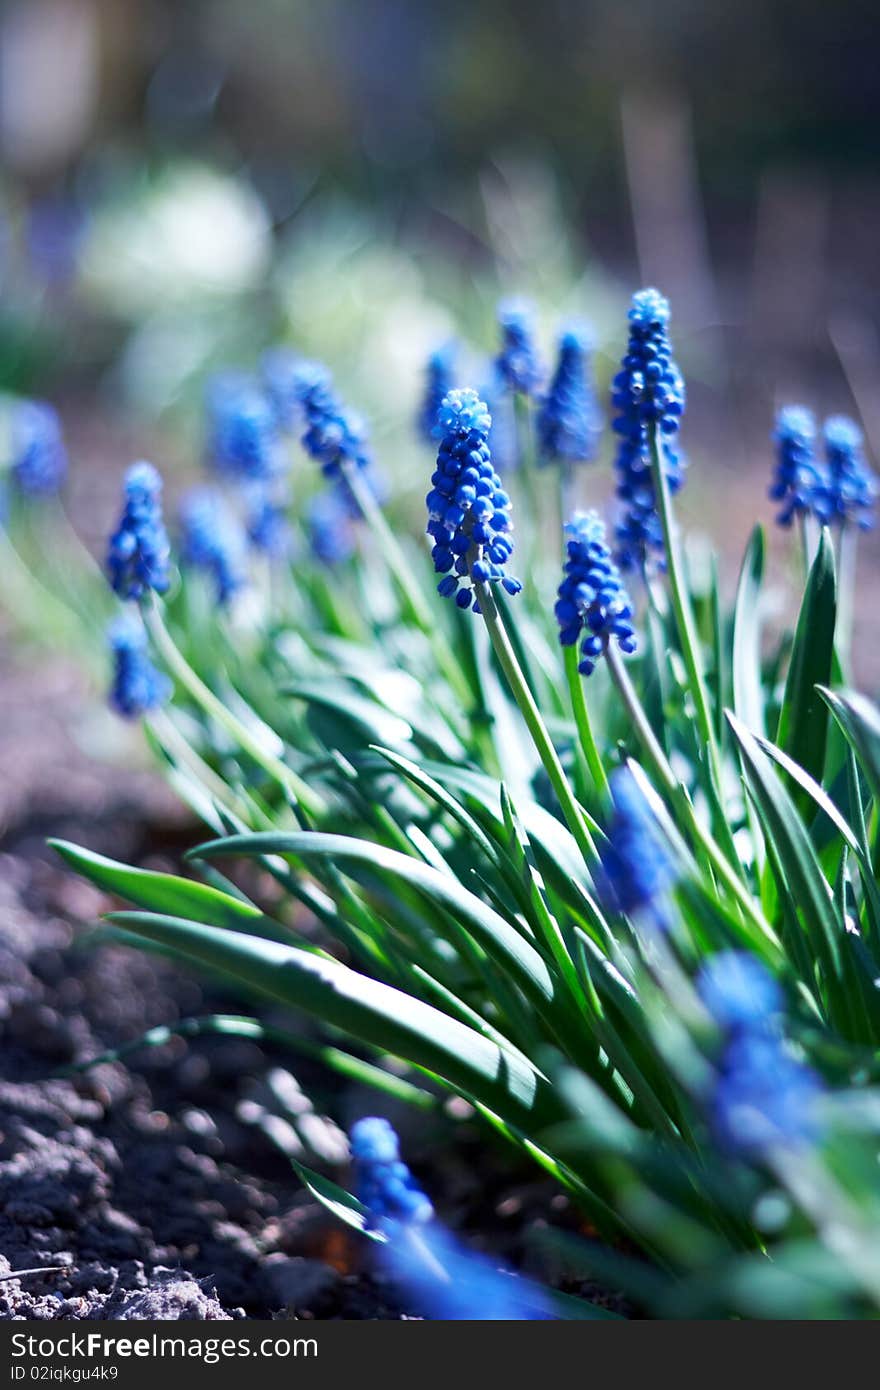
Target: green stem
(180, 668)
(678, 796)
(414, 603)
(690, 647)
(535, 724)
(582, 720)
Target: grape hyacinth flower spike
(592, 605)
(138, 554)
(568, 422)
(637, 869)
(849, 491)
(137, 687)
(384, 1183)
(797, 481)
(468, 510)
(764, 1097)
(648, 393)
(439, 381)
(243, 442)
(517, 363)
(39, 458)
(212, 540)
(331, 528)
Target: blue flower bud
(569, 423)
(384, 1183)
(137, 687)
(592, 605)
(138, 553)
(517, 362)
(39, 458)
(212, 540)
(648, 392)
(468, 510)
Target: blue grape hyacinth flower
(439, 381)
(648, 394)
(468, 510)
(212, 540)
(266, 523)
(764, 1097)
(137, 687)
(138, 556)
(849, 490)
(797, 479)
(739, 992)
(592, 605)
(334, 436)
(384, 1183)
(569, 423)
(637, 869)
(39, 458)
(285, 377)
(330, 526)
(243, 440)
(517, 363)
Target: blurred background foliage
(186, 183)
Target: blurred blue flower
(848, 492)
(268, 528)
(592, 599)
(796, 481)
(439, 381)
(468, 510)
(517, 362)
(138, 553)
(286, 377)
(648, 391)
(243, 442)
(739, 991)
(213, 540)
(39, 458)
(330, 527)
(569, 422)
(383, 1181)
(137, 686)
(764, 1098)
(334, 436)
(637, 869)
(502, 432)
(450, 1282)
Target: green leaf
(501, 940)
(342, 1204)
(805, 885)
(377, 1014)
(802, 731)
(179, 897)
(859, 719)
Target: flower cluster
(212, 540)
(243, 442)
(591, 598)
(517, 363)
(285, 377)
(384, 1183)
(796, 480)
(138, 554)
(764, 1097)
(439, 381)
(637, 869)
(468, 510)
(39, 458)
(330, 527)
(137, 686)
(648, 394)
(334, 436)
(568, 423)
(848, 489)
(268, 529)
